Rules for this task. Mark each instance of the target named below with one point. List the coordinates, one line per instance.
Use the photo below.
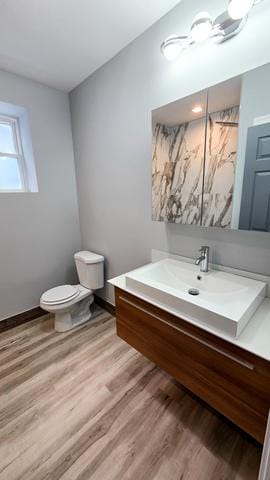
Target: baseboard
(20, 318)
(36, 312)
(104, 304)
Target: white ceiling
(61, 42)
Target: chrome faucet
(203, 259)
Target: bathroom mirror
(178, 160)
(220, 153)
(211, 156)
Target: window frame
(13, 122)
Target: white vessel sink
(223, 301)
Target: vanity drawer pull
(236, 359)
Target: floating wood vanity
(231, 379)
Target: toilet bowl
(71, 303)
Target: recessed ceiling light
(201, 27)
(173, 46)
(197, 109)
(238, 9)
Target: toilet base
(74, 317)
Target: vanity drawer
(230, 379)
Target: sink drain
(194, 291)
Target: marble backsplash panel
(220, 160)
(177, 172)
(180, 167)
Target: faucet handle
(203, 248)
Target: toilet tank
(90, 269)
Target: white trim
(13, 122)
(11, 155)
(13, 191)
(265, 461)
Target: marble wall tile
(177, 172)
(220, 158)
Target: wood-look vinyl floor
(84, 405)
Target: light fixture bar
(225, 26)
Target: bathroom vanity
(230, 371)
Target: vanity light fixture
(225, 26)
(197, 109)
(201, 27)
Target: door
(255, 204)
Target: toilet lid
(60, 294)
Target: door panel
(255, 204)
(260, 214)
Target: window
(17, 162)
(12, 162)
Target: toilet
(71, 303)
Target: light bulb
(197, 109)
(201, 27)
(172, 51)
(173, 46)
(238, 9)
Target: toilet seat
(61, 294)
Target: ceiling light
(173, 46)
(201, 27)
(197, 109)
(238, 9)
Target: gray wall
(39, 231)
(111, 119)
